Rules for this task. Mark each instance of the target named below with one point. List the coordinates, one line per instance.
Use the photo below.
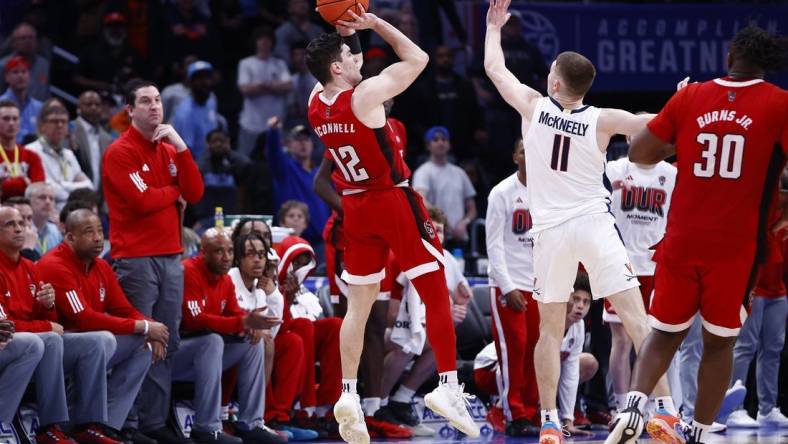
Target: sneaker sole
(660, 430)
(471, 432)
(729, 404)
(620, 437)
(549, 439)
(347, 419)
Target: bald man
(89, 299)
(90, 139)
(210, 310)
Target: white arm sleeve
(495, 224)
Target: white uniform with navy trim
(570, 205)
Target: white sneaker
(734, 397)
(740, 419)
(451, 404)
(717, 427)
(774, 418)
(626, 427)
(350, 417)
(422, 430)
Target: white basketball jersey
(509, 241)
(564, 165)
(641, 200)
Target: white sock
(637, 400)
(309, 410)
(699, 431)
(384, 401)
(370, 406)
(321, 410)
(550, 416)
(349, 386)
(403, 394)
(621, 401)
(666, 403)
(449, 378)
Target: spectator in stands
(246, 226)
(190, 30)
(17, 76)
(24, 42)
(297, 28)
(20, 166)
(61, 166)
(198, 113)
(31, 306)
(303, 84)
(42, 198)
(148, 175)
(109, 62)
(90, 139)
(20, 354)
(224, 171)
(89, 299)
(210, 306)
(294, 215)
(446, 185)
(172, 94)
(31, 235)
(264, 82)
(294, 172)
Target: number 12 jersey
(365, 158)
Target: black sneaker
(217, 437)
(166, 435)
(133, 436)
(259, 435)
(404, 412)
(522, 427)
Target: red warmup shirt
(88, 298)
(142, 182)
(18, 286)
(725, 133)
(209, 301)
(29, 166)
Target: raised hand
(363, 21)
(498, 14)
(164, 131)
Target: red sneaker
(580, 419)
(53, 435)
(93, 435)
(383, 429)
(496, 419)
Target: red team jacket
(209, 301)
(29, 166)
(725, 133)
(142, 183)
(87, 298)
(18, 286)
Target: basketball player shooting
(565, 144)
(731, 137)
(381, 211)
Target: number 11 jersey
(726, 134)
(564, 165)
(365, 158)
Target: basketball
(333, 10)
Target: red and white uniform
(725, 133)
(383, 213)
(641, 201)
(87, 299)
(21, 164)
(510, 250)
(18, 287)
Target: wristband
(353, 42)
(145, 331)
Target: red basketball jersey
(725, 133)
(365, 158)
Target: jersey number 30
(730, 157)
(347, 160)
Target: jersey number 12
(347, 161)
(560, 159)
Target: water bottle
(457, 253)
(218, 218)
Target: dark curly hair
(757, 47)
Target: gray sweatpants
(85, 358)
(691, 351)
(48, 378)
(18, 360)
(154, 286)
(763, 334)
(128, 367)
(197, 361)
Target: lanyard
(58, 156)
(42, 244)
(13, 168)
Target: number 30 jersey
(564, 165)
(364, 158)
(726, 133)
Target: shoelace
(462, 397)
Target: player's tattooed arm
(520, 96)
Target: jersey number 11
(560, 159)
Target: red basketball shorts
(395, 219)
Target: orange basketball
(333, 10)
